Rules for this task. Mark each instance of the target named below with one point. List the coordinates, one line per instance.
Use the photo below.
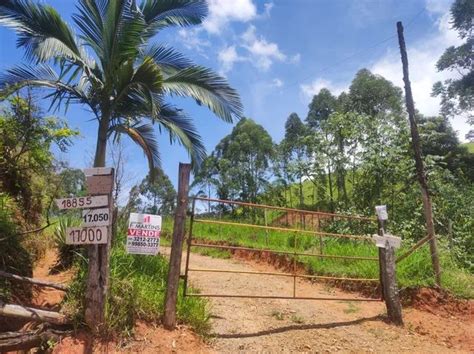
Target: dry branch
(33, 281)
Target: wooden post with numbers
(99, 182)
(169, 318)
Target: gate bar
(263, 206)
(188, 251)
(212, 270)
(207, 221)
(283, 297)
(206, 245)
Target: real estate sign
(143, 236)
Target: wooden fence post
(389, 284)
(169, 318)
(388, 279)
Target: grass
(137, 291)
(414, 271)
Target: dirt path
(300, 325)
(49, 298)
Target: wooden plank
(102, 184)
(32, 281)
(96, 217)
(169, 318)
(98, 171)
(93, 235)
(82, 202)
(18, 311)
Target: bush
(14, 258)
(66, 253)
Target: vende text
(140, 232)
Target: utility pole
(420, 170)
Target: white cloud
(192, 40)
(268, 6)
(309, 90)
(295, 59)
(422, 57)
(263, 53)
(221, 12)
(277, 83)
(227, 57)
(438, 6)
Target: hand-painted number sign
(96, 217)
(83, 202)
(86, 235)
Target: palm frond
(181, 128)
(208, 89)
(122, 35)
(136, 89)
(162, 13)
(89, 19)
(144, 136)
(41, 30)
(168, 59)
(41, 76)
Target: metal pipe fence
(293, 235)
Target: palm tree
(112, 68)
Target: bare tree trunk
(420, 170)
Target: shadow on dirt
(301, 327)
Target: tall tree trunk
(420, 170)
(98, 272)
(330, 186)
(301, 192)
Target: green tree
(457, 94)
(73, 181)
(157, 194)
(113, 69)
(206, 179)
(26, 162)
(293, 147)
(243, 160)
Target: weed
(351, 308)
(297, 319)
(278, 315)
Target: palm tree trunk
(98, 270)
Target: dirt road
(302, 325)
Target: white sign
(387, 240)
(381, 211)
(83, 202)
(96, 217)
(143, 236)
(86, 235)
(97, 171)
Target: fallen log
(18, 311)
(13, 341)
(32, 281)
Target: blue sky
(277, 54)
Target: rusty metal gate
(297, 224)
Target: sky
(277, 54)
